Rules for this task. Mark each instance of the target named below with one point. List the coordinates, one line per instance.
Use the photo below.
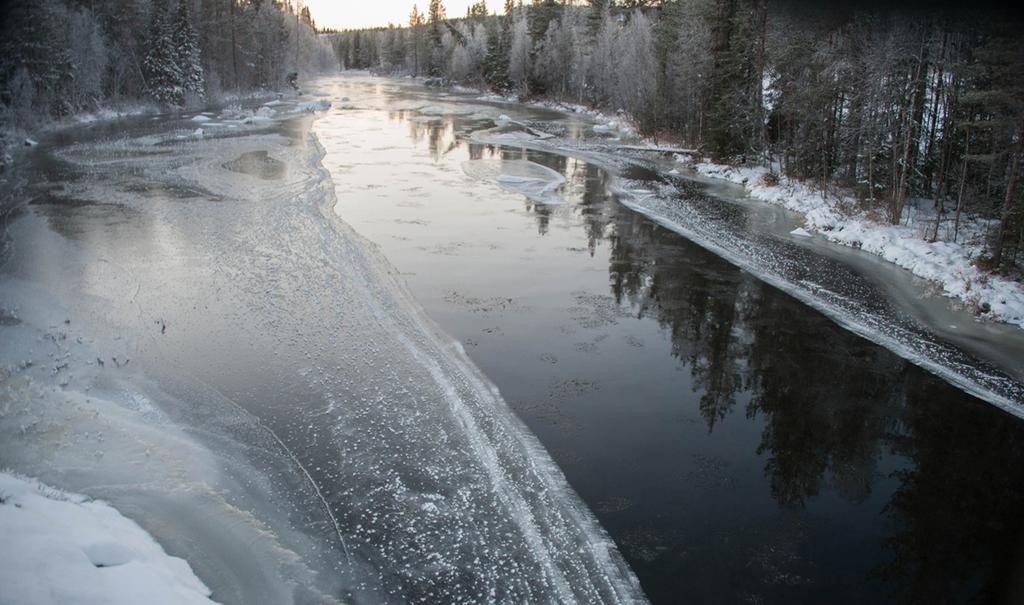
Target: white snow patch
(64, 548)
(800, 231)
(200, 118)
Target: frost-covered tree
(603, 58)
(520, 51)
(554, 58)
(88, 55)
(187, 54)
(161, 70)
(637, 67)
(467, 60)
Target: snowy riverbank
(950, 265)
(60, 547)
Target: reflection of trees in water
(833, 405)
(438, 131)
(828, 397)
(959, 507)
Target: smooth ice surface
(221, 352)
(538, 183)
(64, 548)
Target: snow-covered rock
(57, 547)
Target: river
(446, 348)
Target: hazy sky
(347, 14)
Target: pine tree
(160, 67)
(415, 33)
(435, 19)
(499, 42)
(187, 57)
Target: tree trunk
(234, 45)
(762, 126)
(901, 190)
(963, 184)
(1007, 211)
(934, 115)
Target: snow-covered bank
(58, 547)
(951, 265)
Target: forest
(61, 57)
(885, 104)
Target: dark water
(739, 446)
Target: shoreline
(990, 297)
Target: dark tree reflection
(833, 406)
(957, 512)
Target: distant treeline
(58, 57)
(889, 103)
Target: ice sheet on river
(249, 380)
(538, 183)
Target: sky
(349, 14)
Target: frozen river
(428, 348)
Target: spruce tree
(187, 57)
(435, 18)
(160, 67)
